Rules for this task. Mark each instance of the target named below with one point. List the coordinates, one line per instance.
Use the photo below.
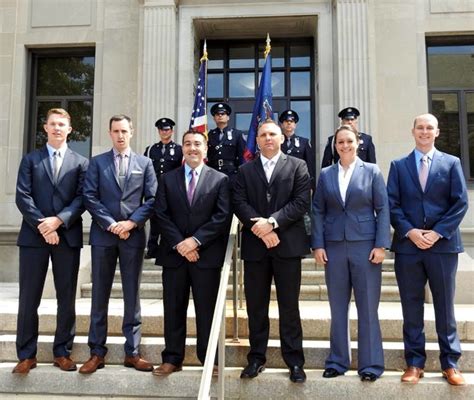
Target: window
(62, 78)
(451, 96)
(234, 70)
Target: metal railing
(217, 335)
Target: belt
(221, 163)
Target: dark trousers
(348, 269)
(177, 283)
(439, 270)
(104, 262)
(33, 269)
(257, 280)
(152, 245)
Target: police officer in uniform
(366, 150)
(226, 145)
(294, 145)
(166, 156)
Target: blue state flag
(262, 109)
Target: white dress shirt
(344, 177)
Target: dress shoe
(92, 364)
(252, 370)
(454, 377)
(166, 369)
(65, 363)
(412, 375)
(297, 374)
(24, 366)
(331, 373)
(368, 377)
(138, 363)
(149, 256)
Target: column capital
(158, 3)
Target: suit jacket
(441, 207)
(365, 151)
(286, 198)
(206, 218)
(37, 196)
(363, 216)
(107, 203)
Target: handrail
(217, 334)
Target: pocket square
(137, 172)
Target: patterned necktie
(56, 156)
(268, 169)
(423, 173)
(122, 172)
(191, 185)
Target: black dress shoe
(368, 377)
(252, 370)
(297, 374)
(331, 373)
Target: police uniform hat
(165, 123)
(349, 113)
(221, 108)
(289, 115)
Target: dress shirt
(344, 177)
(60, 155)
(419, 155)
(187, 175)
(126, 159)
(268, 168)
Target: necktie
(191, 186)
(221, 135)
(163, 150)
(423, 173)
(268, 169)
(122, 172)
(56, 156)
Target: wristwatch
(272, 221)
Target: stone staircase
(313, 286)
(116, 381)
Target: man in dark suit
(119, 192)
(297, 146)
(49, 196)
(365, 151)
(428, 200)
(192, 208)
(166, 155)
(271, 196)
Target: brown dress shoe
(65, 363)
(412, 375)
(24, 366)
(454, 377)
(166, 369)
(138, 363)
(92, 364)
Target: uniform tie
(423, 173)
(191, 186)
(56, 156)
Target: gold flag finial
(204, 52)
(267, 47)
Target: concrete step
(315, 317)
(307, 292)
(315, 352)
(307, 277)
(120, 382)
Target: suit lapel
(278, 167)
(66, 165)
(434, 168)
(260, 171)
(181, 184)
(200, 184)
(47, 163)
(356, 174)
(334, 178)
(412, 170)
(110, 168)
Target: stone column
(353, 87)
(157, 70)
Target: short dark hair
(120, 117)
(347, 128)
(193, 132)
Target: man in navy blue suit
(119, 192)
(428, 200)
(49, 196)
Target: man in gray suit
(49, 196)
(119, 193)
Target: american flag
(199, 115)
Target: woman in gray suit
(350, 231)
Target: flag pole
(205, 59)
